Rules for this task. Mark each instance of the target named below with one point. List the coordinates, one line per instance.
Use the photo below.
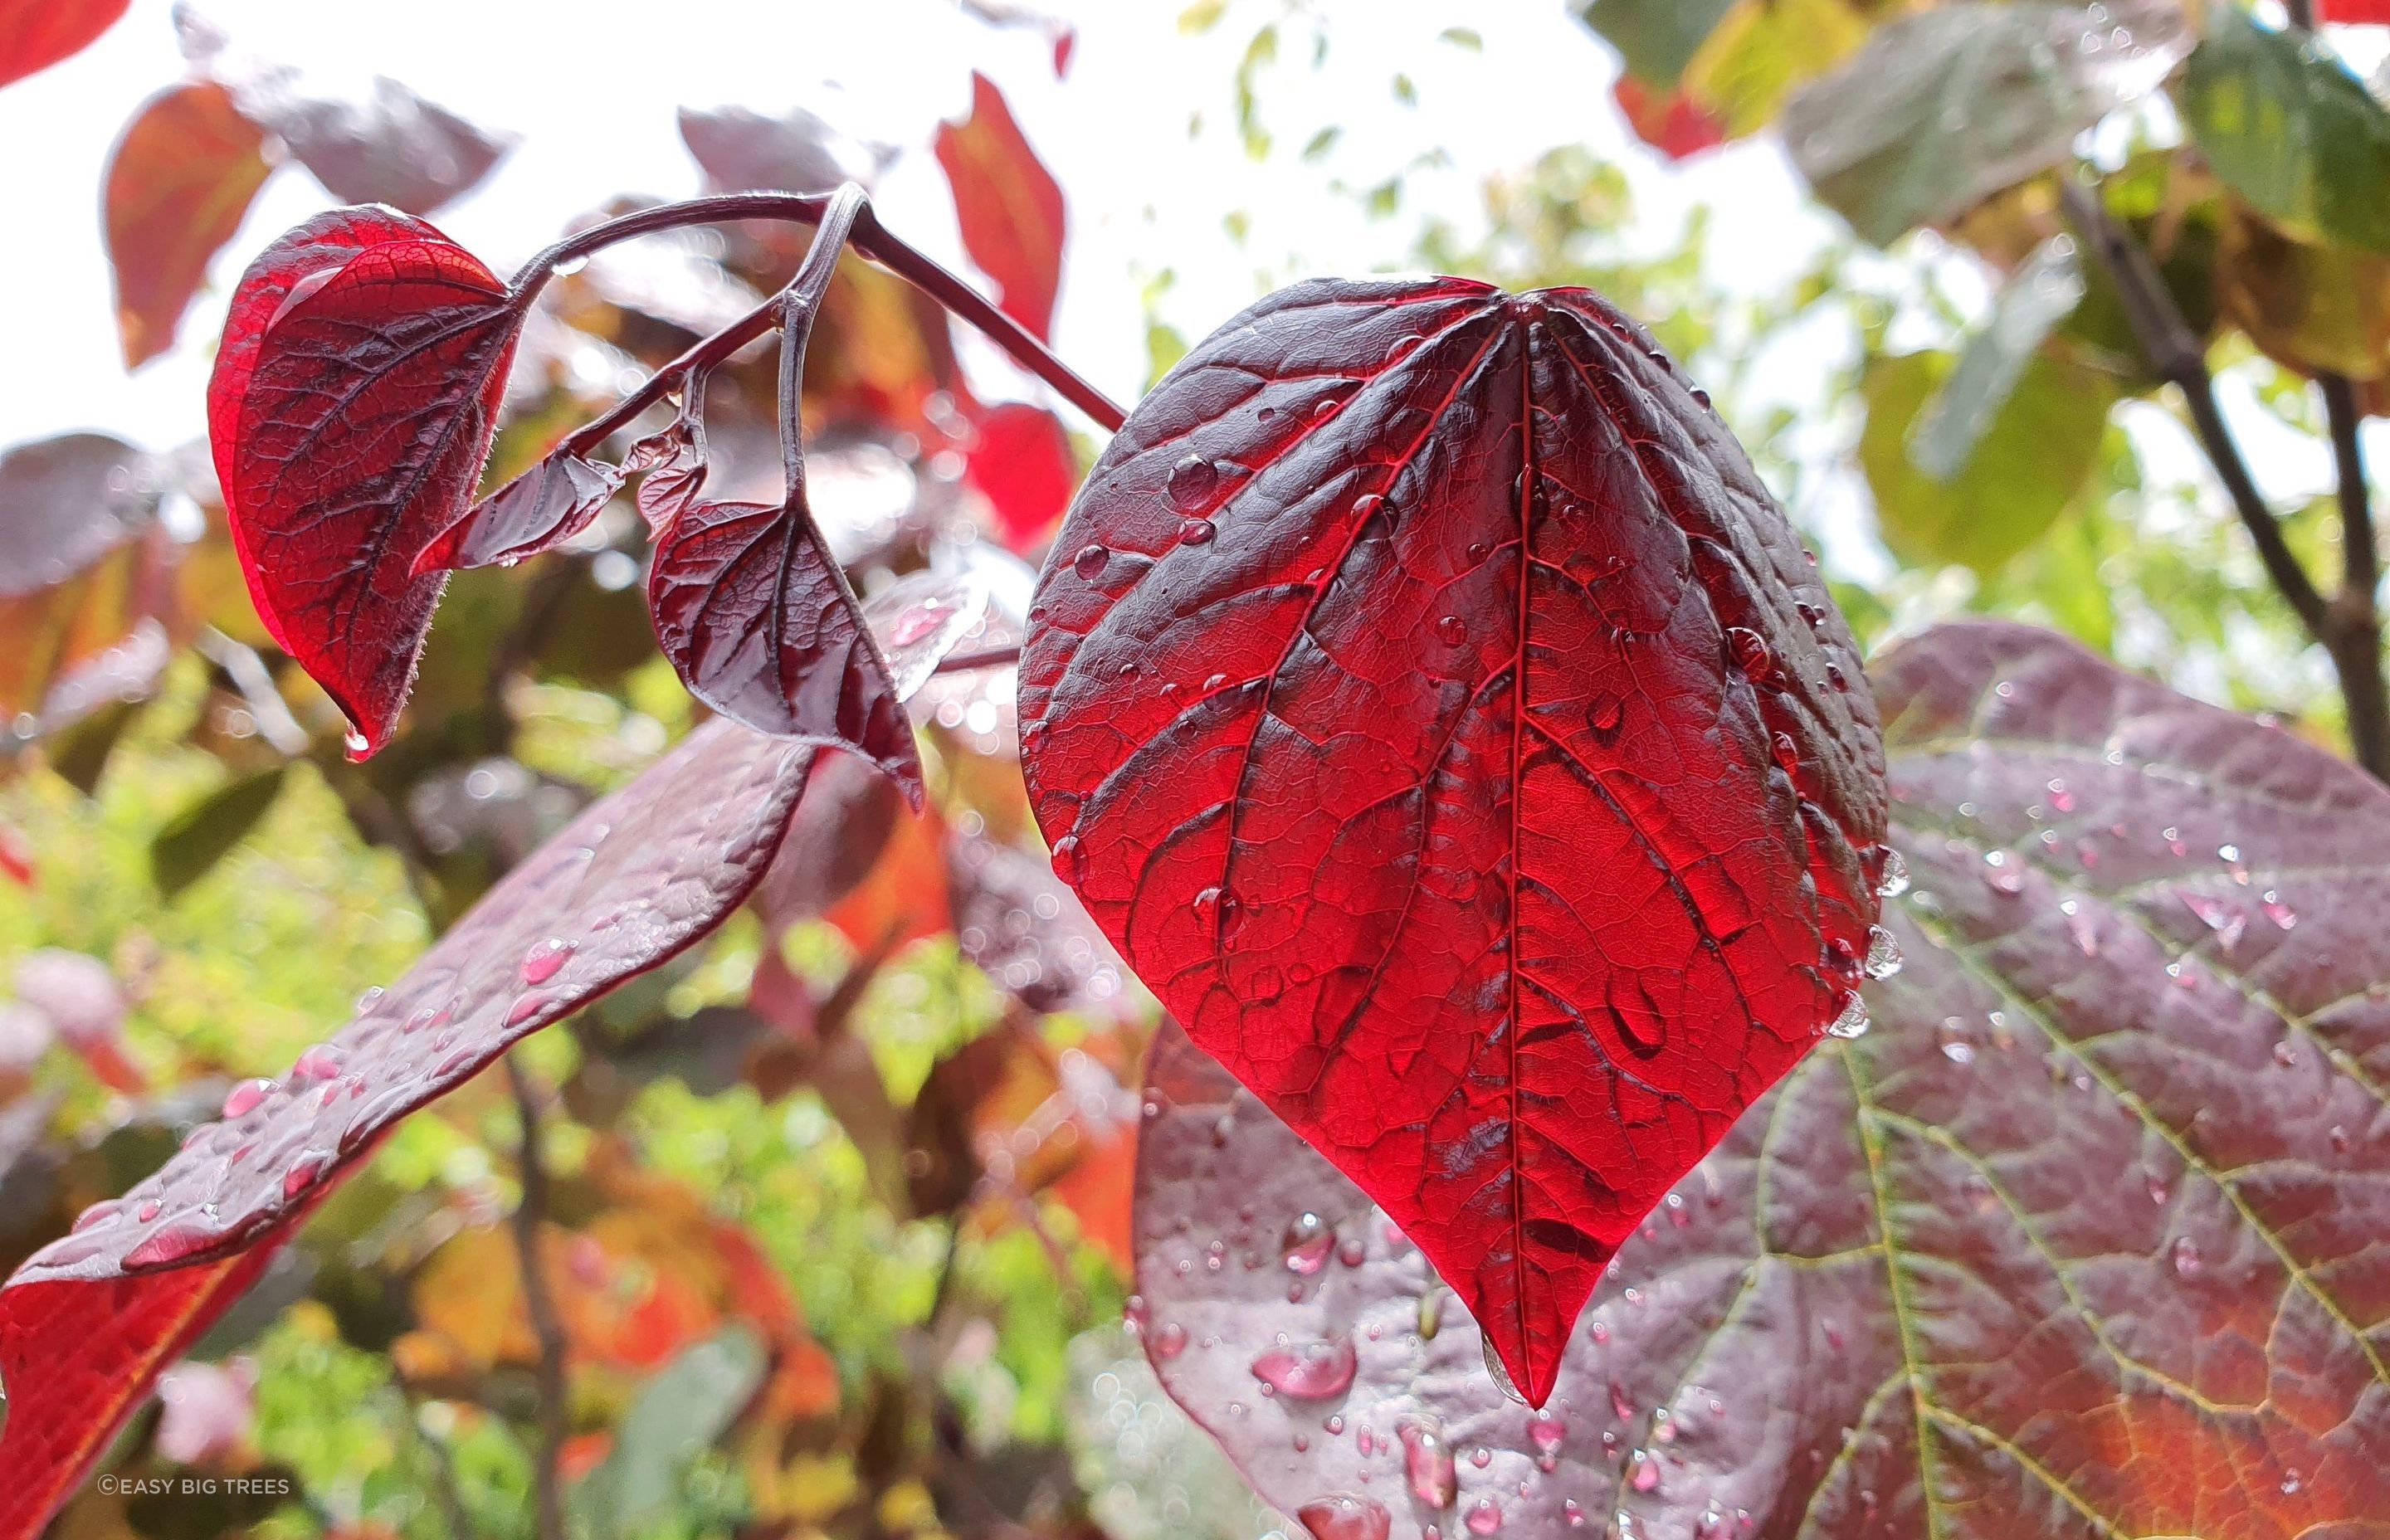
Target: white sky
(594, 98)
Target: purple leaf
(2084, 1236)
(397, 148)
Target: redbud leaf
(35, 34)
(1436, 710)
(353, 404)
(2084, 1236)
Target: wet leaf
(2288, 127)
(179, 183)
(193, 840)
(2083, 1237)
(1023, 927)
(352, 402)
(536, 512)
(1433, 708)
(35, 34)
(2033, 457)
(1656, 38)
(395, 148)
(636, 879)
(85, 573)
(1944, 108)
(1008, 203)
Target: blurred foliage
(839, 1227)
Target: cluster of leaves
(1426, 698)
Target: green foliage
(2289, 128)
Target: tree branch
(547, 1327)
(2174, 352)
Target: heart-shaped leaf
(1429, 703)
(2084, 1236)
(1008, 203)
(35, 34)
(396, 148)
(635, 879)
(1944, 108)
(352, 402)
(179, 183)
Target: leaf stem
(546, 1326)
(871, 239)
(990, 656)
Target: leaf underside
(2084, 1238)
(1430, 705)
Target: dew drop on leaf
(1169, 1340)
(1311, 1371)
(1546, 1432)
(1191, 483)
(542, 961)
(1345, 1518)
(318, 1062)
(244, 1097)
(1427, 1463)
(1751, 653)
(1091, 561)
(1882, 954)
(1483, 1519)
(1307, 1243)
(1501, 1374)
(527, 1007)
(1451, 631)
(1853, 1021)
(1196, 531)
(1645, 1471)
(2186, 1257)
(1604, 714)
(1894, 878)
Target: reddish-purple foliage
(179, 183)
(1429, 702)
(635, 879)
(2085, 1232)
(35, 34)
(1023, 463)
(353, 399)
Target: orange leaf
(1008, 203)
(179, 183)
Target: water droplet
(1069, 862)
(1485, 1518)
(1711, 1523)
(1345, 1518)
(421, 1020)
(1894, 878)
(2225, 918)
(1090, 560)
(1546, 1432)
(1451, 631)
(304, 1171)
(2155, 1187)
(1572, 1511)
(1882, 954)
(541, 962)
(527, 1007)
(1325, 408)
(1196, 531)
(1646, 1469)
(1314, 1371)
(1167, 1341)
(1192, 481)
(1751, 653)
(1604, 714)
(2186, 1257)
(2282, 913)
(319, 1062)
(1701, 397)
(147, 1212)
(99, 1214)
(2291, 1480)
(2003, 872)
(1787, 753)
(354, 742)
(1621, 1404)
(243, 1098)
(1853, 1021)
(1307, 1243)
(1427, 1463)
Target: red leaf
(352, 402)
(536, 512)
(1022, 464)
(179, 183)
(2353, 11)
(15, 857)
(397, 149)
(1675, 125)
(79, 1357)
(762, 626)
(1008, 203)
(35, 34)
(633, 881)
(1507, 870)
(2048, 1244)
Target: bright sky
(594, 101)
